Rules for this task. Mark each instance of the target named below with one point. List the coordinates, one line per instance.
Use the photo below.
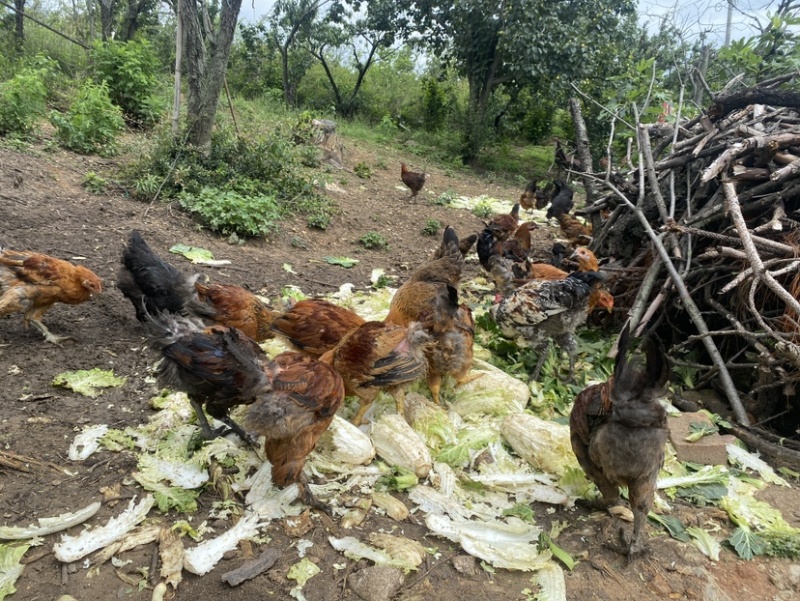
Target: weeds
(373, 241)
(432, 227)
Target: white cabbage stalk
(737, 455)
(432, 501)
(397, 444)
(72, 548)
(429, 420)
(355, 549)
(183, 474)
(87, 442)
(708, 474)
(707, 544)
(141, 536)
(552, 586)
(526, 487)
(345, 443)
(543, 444)
(50, 525)
(394, 508)
(400, 548)
(268, 502)
(445, 479)
(513, 547)
(491, 392)
(202, 558)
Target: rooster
(31, 283)
(543, 309)
(413, 180)
(618, 430)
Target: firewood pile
(707, 238)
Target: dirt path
(44, 207)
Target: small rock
(794, 576)
(376, 583)
(465, 564)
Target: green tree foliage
(22, 101)
(130, 69)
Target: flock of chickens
(207, 335)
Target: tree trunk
(19, 25)
(583, 150)
(130, 25)
(107, 18)
(90, 15)
(206, 70)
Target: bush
(362, 170)
(92, 122)
(373, 240)
(229, 212)
(129, 69)
(432, 227)
(22, 101)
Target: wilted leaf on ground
(10, 568)
(343, 261)
(87, 382)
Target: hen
(414, 180)
(533, 197)
(452, 352)
(294, 411)
(504, 225)
(543, 309)
(293, 397)
(150, 283)
(31, 283)
(577, 233)
(233, 306)
(377, 356)
(562, 202)
(315, 326)
(618, 430)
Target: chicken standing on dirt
(315, 326)
(618, 430)
(543, 309)
(154, 286)
(31, 283)
(413, 180)
(562, 202)
(150, 283)
(378, 356)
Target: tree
(131, 20)
(290, 20)
(518, 43)
(19, 25)
(367, 37)
(207, 52)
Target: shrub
(373, 240)
(229, 212)
(483, 209)
(94, 183)
(362, 170)
(431, 227)
(92, 122)
(22, 101)
(129, 69)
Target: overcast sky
(691, 16)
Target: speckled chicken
(31, 283)
(543, 309)
(618, 430)
(315, 326)
(376, 356)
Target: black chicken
(618, 430)
(562, 201)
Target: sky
(694, 17)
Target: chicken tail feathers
(641, 370)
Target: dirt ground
(44, 207)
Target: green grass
(528, 161)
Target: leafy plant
(363, 170)
(483, 209)
(229, 212)
(373, 240)
(94, 183)
(22, 101)
(92, 122)
(130, 71)
(432, 227)
(446, 198)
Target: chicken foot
(309, 498)
(48, 335)
(210, 433)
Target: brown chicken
(618, 430)
(433, 283)
(516, 248)
(31, 283)
(452, 352)
(376, 356)
(534, 197)
(503, 226)
(315, 326)
(292, 412)
(466, 244)
(577, 233)
(231, 305)
(413, 180)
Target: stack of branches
(706, 228)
